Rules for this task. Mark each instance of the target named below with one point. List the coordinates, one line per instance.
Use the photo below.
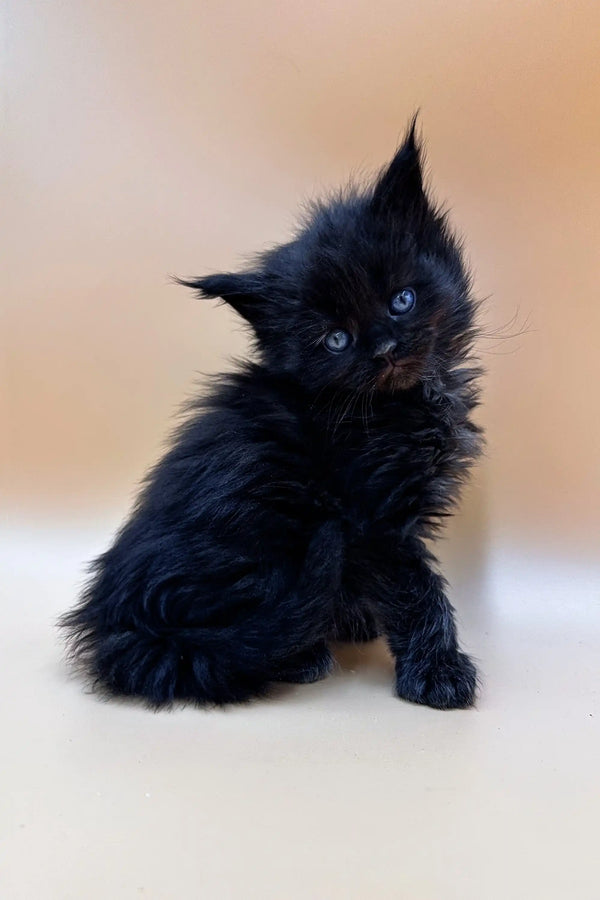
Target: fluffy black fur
(294, 505)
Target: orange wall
(145, 139)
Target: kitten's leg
(310, 665)
(137, 641)
(420, 628)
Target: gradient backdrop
(145, 139)
(174, 137)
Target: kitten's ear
(241, 291)
(400, 186)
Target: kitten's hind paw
(306, 667)
(444, 682)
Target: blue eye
(337, 340)
(403, 301)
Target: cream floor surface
(332, 790)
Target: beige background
(146, 139)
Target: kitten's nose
(384, 347)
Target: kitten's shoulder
(247, 405)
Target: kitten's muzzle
(401, 372)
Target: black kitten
(294, 504)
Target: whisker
(505, 332)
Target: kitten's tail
(211, 665)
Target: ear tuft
(399, 188)
(241, 291)
(222, 285)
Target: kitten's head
(371, 294)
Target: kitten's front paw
(444, 682)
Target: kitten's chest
(404, 466)
(365, 477)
